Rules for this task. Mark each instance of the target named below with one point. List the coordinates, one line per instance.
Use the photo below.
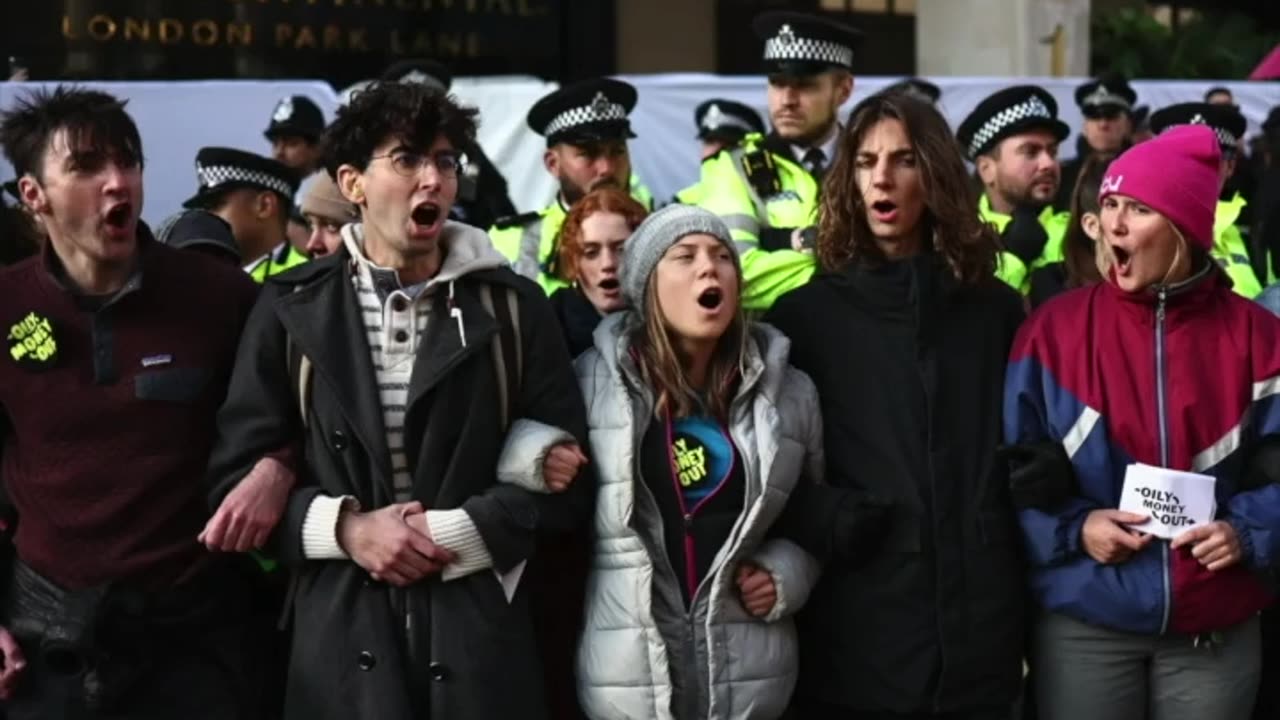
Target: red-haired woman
(590, 259)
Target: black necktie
(815, 161)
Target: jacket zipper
(1162, 425)
(687, 514)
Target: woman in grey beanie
(700, 430)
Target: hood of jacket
(466, 250)
(765, 359)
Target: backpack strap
(508, 355)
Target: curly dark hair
(412, 112)
(95, 122)
(951, 207)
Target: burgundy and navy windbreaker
(1185, 377)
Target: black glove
(1024, 236)
(1040, 475)
(861, 524)
(1263, 465)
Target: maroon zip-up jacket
(103, 445)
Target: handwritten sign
(1175, 501)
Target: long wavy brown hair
(605, 199)
(1079, 252)
(662, 363)
(968, 245)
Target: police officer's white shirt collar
(827, 146)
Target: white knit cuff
(320, 528)
(454, 531)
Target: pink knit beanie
(1175, 174)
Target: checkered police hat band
(1033, 107)
(1226, 140)
(798, 49)
(600, 110)
(213, 176)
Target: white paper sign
(1175, 501)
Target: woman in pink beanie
(1162, 365)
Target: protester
(117, 354)
(590, 260)
(1012, 139)
(388, 372)
(905, 332)
(482, 190)
(326, 212)
(722, 430)
(1132, 625)
(1079, 264)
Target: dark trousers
(208, 677)
(807, 710)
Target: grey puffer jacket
(642, 655)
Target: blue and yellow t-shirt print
(702, 456)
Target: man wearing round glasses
(390, 371)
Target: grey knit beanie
(656, 235)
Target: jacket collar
(764, 365)
(1185, 296)
(325, 320)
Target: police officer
(254, 195)
(1012, 138)
(918, 88)
(482, 190)
(766, 189)
(587, 126)
(722, 124)
(294, 133)
(1107, 105)
(1229, 247)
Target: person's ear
(32, 194)
(551, 161)
(987, 165)
(1092, 226)
(351, 184)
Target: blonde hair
(662, 363)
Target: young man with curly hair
(389, 372)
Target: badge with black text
(31, 342)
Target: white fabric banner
(177, 118)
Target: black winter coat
(910, 367)
(471, 655)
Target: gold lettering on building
(102, 28)
(240, 34)
(135, 29)
(171, 31)
(204, 33)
